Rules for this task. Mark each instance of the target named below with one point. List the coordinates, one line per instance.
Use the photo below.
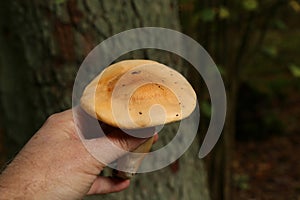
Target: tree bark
(42, 44)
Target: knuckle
(56, 118)
(53, 117)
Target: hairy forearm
(18, 182)
(37, 172)
(54, 164)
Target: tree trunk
(42, 45)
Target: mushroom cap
(134, 94)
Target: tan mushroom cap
(134, 94)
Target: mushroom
(135, 95)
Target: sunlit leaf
(295, 5)
(208, 15)
(250, 5)
(224, 13)
(295, 70)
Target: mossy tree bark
(42, 45)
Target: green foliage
(221, 69)
(208, 15)
(211, 14)
(295, 70)
(252, 40)
(295, 5)
(60, 1)
(206, 109)
(250, 5)
(241, 181)
(224, 12)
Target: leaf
(221, 69)
(208, 15)
(295, 70)
(206, 108)
(295, 5)
(224, 13)
(250, 5)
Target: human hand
(54, 164)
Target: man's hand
(54, 164)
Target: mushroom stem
(128, 165)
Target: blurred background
(255, 45)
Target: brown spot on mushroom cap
(136, 72)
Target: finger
(155, 138)
(104, 185)
(109, 144)
(125, 141)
